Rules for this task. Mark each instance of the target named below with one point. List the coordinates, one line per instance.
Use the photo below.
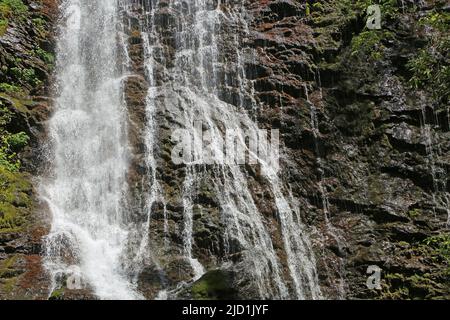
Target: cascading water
(440, 195)
(87, 187)
(192, 75)
(93, 230)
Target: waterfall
(193, 73)
(440, 197)
(87, 187)
(192, 54)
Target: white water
(191, 96)
(441, 198)
(87, 187)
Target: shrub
(17, 141)
(430, 67)
(10, 143)
(47, 57)
(9, 88)
(15, 7)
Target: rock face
(366, 155)
(26, 59)
(365, 137)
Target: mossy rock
(57, 294)
(15, 200)
(214, 285)
(7, 266)
(416, 286)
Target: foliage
(10, 143)
(430, 68)
(369, 43)
(8, 10)
(39, 22)
(212, 286)
(40, 26)
(57, 294)
(26, 74)
(437, 20)
(3, 25)
(16, 7)
(47, 57)
(433, 285)
(414, 213)
(8, 160)
(9, 88)
(389, 8)
(440, 245)
(17, 141)
(14, 200)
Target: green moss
(3, 26)
(40, 26)
(11, 220)
(393, 288)
(369, 43)
(6, 265)
(19, 101)
(403, 244)
(213, 285)
(47, 57)
(11, 144)
(27, 75)
(398, 286)
(10, 284)
(8, 274)
(16, 7)
(433, 285)
(414, 213)
(57, 294)
(15, 200)
(430, 69)
(10, 88)
(440, 246)
(10, 9)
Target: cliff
(364, 123)
(26, 60)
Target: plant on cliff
(369, 43)
(10, 143)
(366, 43)
(9, 88)
(440, 246)
(434, 250)
(47, 57)
(27, 75)
(10, 9)
(40, 26)
(213, 285)
(14, 200)
(431, 66)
